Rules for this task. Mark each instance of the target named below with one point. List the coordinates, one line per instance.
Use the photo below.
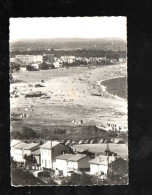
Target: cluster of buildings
(59, 157)
(36, 60)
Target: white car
(81, 142)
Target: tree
(88, 153)
(44, 66)
(28, 133)
(30, 159)
(14, 67)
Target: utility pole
(108, 157)
(51, 155)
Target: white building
(30, 148)
(77, 162)
(48, 58)
(14, 142)
(61, 163)
(19, 152)
(100, 165)
(50, 150)
(68, 59)
(28, 59)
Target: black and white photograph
(68, 101)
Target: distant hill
(69, 43)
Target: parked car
(73, 143)
(92, 141)
(81, 142)
(120, 142)
(101, 141)
(68, 142)
(86, 141)
(63, 141)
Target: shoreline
(104, 88)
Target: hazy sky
(68, 27)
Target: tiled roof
(36, 152)
(64, 156)
(30, 146)
(48, 144)
(101, 160)
(20, 145)
(76, 157)
(14, 142)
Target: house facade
(29, 58)
(100, 165)
(37, 155)
(61, 163)
(14, 142)
(19, 152)
(30, 148)
(77, 162)
(49, 151)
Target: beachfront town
(100, 156)
(46, 61)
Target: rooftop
(101, 160)
(20, 145)
(36, 152)
(14, 142)
(64, 156)
(48, 144)
(30, 146)
(76, 157)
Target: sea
(117, 86)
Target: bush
(44, 66)
(31, 68)
(28, 133)
(14, 67)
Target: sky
(68, 27)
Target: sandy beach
(74, 95)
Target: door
(45, 163)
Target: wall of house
(18, 155)
(12, 151)
(46, 160)
(46, 155)
(28, 152)
(61, 165)
(94, 169)
(72, 166)
(60, 149)
(83, 163)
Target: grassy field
(21, 177)
(120, 149)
